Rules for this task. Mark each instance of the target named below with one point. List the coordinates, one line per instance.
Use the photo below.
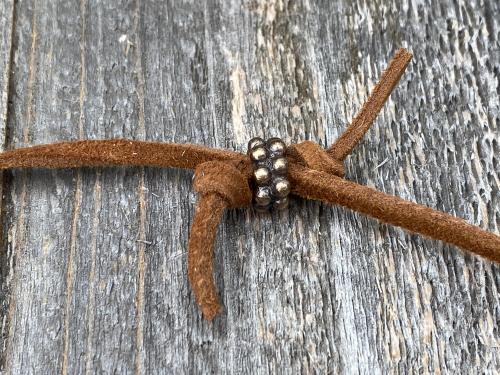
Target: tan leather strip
(201, 253)
(219, 185)
(311, 184)
(114, 152)
(365, 117)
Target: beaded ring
(270, 167)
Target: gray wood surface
(93, 262)
(6, 24)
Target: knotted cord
(222, 181)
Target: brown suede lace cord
(222, 181)
(219, 186)
(368, 113)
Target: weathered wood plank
(6, 27)
(43, 81)
(98, 274)
(62, 251)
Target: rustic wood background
(93, 262)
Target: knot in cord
(313, 156)
(225, 180)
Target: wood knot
(225, 180)
(313, 156)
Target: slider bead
(258, 153)
(270, 166)
(262, 175)
(281, 187)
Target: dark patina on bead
(270, 168)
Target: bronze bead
(276, 146)
(280, 165)
(263, 196)
(254, 142)
(281, 188)
(258, 154)
(261, 175)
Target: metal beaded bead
(270, 167)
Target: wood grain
(94, 275)
(6, 28)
